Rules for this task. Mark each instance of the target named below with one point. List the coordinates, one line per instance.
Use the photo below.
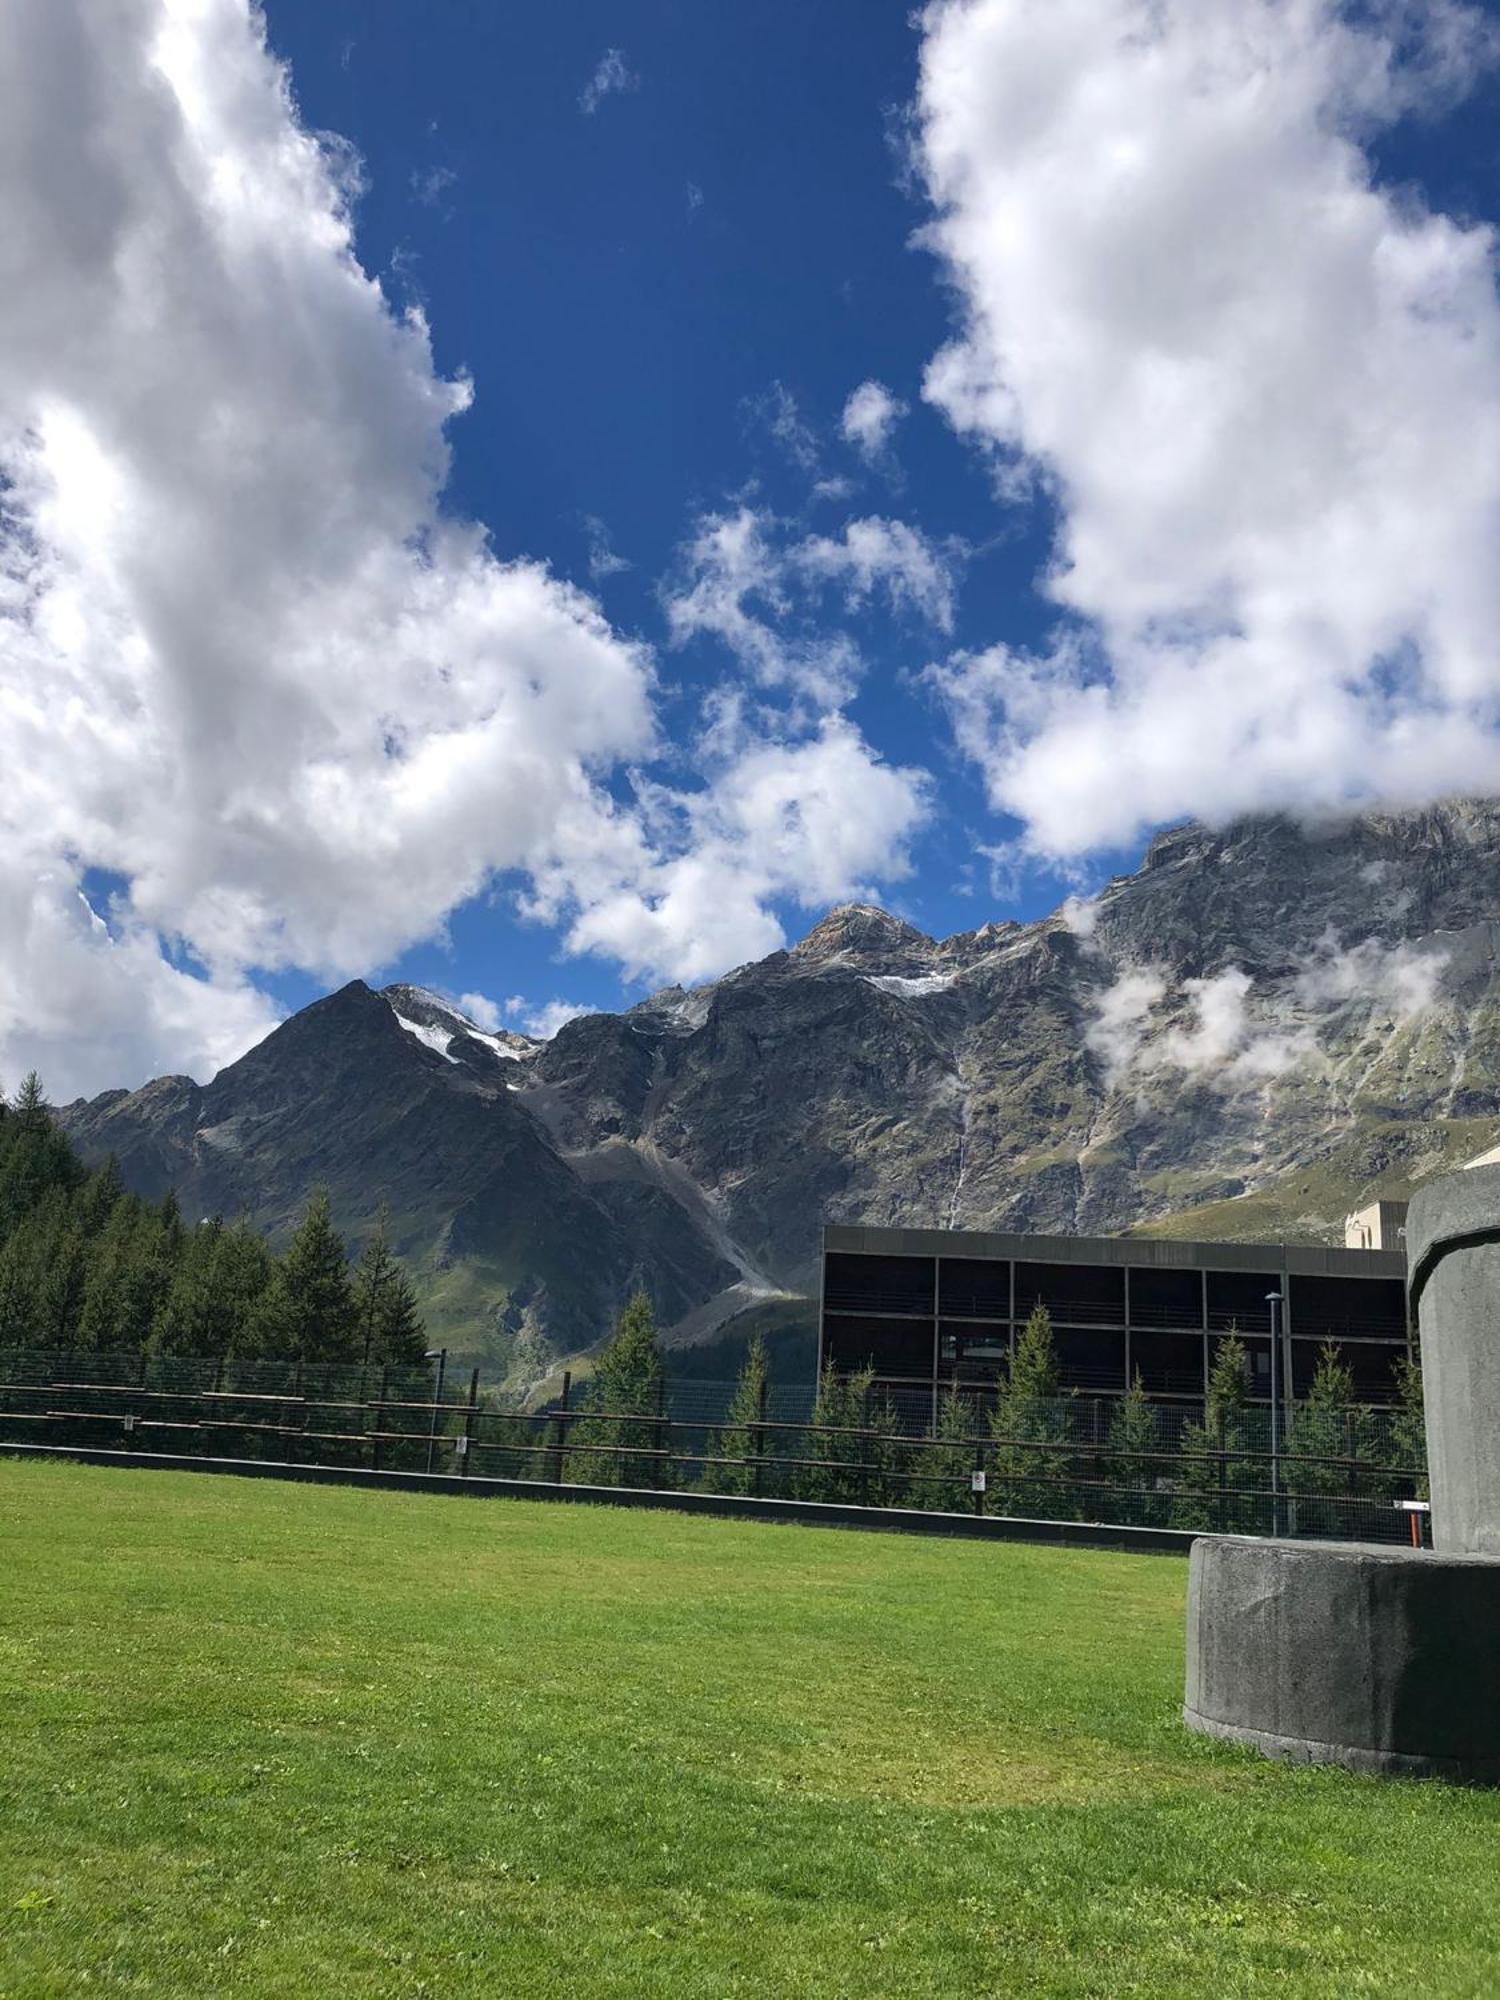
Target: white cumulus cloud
(872, 554)
(544, 1018)
(870, 415)
(481, 1010)
(1262, 391)
(254, 675)
(744, 582)
(810, 822)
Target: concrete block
(1376, 1659)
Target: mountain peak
(861, 931)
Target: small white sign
(976, 1482)
(461, 1446)
(129, 1423)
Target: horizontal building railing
(1076, 1469)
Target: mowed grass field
(272, 1739)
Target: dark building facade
(931, 1308)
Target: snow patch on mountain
(913, 988)
(435, 1038)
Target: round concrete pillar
(1380, 1659)
(1453, 1261)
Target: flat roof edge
(1158, 1252)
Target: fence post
(562, 1429)
(291, 1451)
(758, 1442)
(469, 1422)
(663, 1426)
(375, 1444)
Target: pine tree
(1328, 1425)
(843, 1463)
(100, 1192)
(1134, 1463)
(59, 1298)
(1212, 1490)
(885, 1452)
(147, 1273)
(385, 1305)
(741, 1439)
(17, 1297)
(628, 1383)
(1030, 1424)
(243, 1270)
(190, 1321)
(941, 1470)
(1408, 1428)
(36, 1157)
(307, 1310)
(102, 1319)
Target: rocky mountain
(1260, 1028)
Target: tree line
(88, 1267)
(1214, 1474)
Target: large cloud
(1263, 392)
(807, 821)
(248, 665)
(741, 580)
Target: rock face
(1259, 1028)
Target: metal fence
(394, 1420)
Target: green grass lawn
(269, 1739)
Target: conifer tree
(628, 1382)
(307, 1310)
(1134, 1464)
(942, 1469)
(17, 1297)
(1408, 1426)
(741, 1440)
(146, 1273)
(59, 1297)
(190, 1320)
(97, 1198)
(99, 1313)
(1030, 1425)
(385, 1305)
(1329, 1425)
(1212, 1491)
(243, 1270)
(631, 1379)
(36, 1157)
(840, 1458)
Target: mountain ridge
(1260, 1026)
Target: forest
(86, 1266)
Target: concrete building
(926, 1308)
(1381, 1226)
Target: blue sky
(633, 290)
(628, 341)
(1174, 325)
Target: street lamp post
(440, 1356)
(1275, 1303)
